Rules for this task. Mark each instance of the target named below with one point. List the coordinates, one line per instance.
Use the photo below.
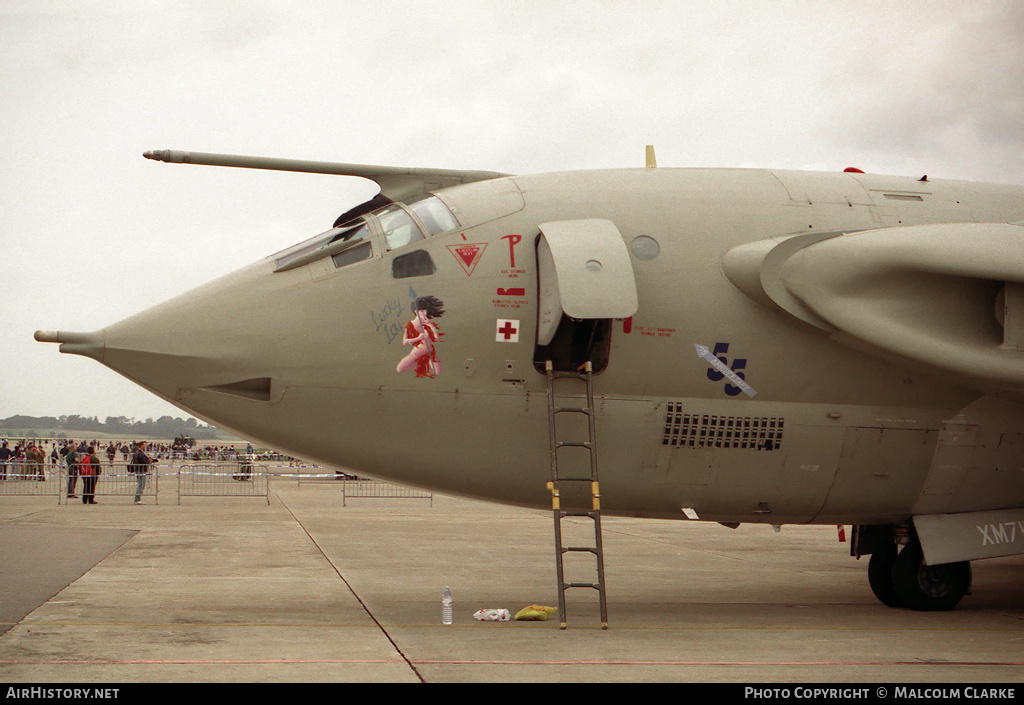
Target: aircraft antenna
(652, 163)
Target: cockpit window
(435, 215)
(417, 263)
(399, 228)
(329, 243)
(307, 247)
(356, 253)
(350, 231)
(349, 242)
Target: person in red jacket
(89, 468)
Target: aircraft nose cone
(208, 337)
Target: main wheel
(880, 575)
(929, 587)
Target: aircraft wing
(950, 295)
(397, 183)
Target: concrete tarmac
(308, 590)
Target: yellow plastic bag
(537, 613)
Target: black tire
(929, 588)
(880, 576)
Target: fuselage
(308, 358)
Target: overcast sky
(92, 232)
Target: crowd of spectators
(24, 459)
(34, 459)
(88, 460)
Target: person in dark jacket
(140, 467)
(5, 459)
(71, 461)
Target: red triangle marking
(468, 255)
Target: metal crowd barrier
(352, 486)
(223, 479)
(23, 479)
(381, 489)
(114, 480)
(239, 478)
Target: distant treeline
(120, 426)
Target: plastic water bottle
(446, 606)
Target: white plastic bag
(493, 615)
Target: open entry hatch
(585, 279)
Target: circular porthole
(645, 247)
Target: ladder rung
(579, 513)
(568, 373)
(595, 586)
(574, 444)
(579, 549)
(574, 409)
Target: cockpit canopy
(398, 224)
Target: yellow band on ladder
(554, 496)
(595, 493)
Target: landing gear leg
(927, 587)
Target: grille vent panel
(687, 430)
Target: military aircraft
(779, 347)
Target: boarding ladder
(584, 373)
